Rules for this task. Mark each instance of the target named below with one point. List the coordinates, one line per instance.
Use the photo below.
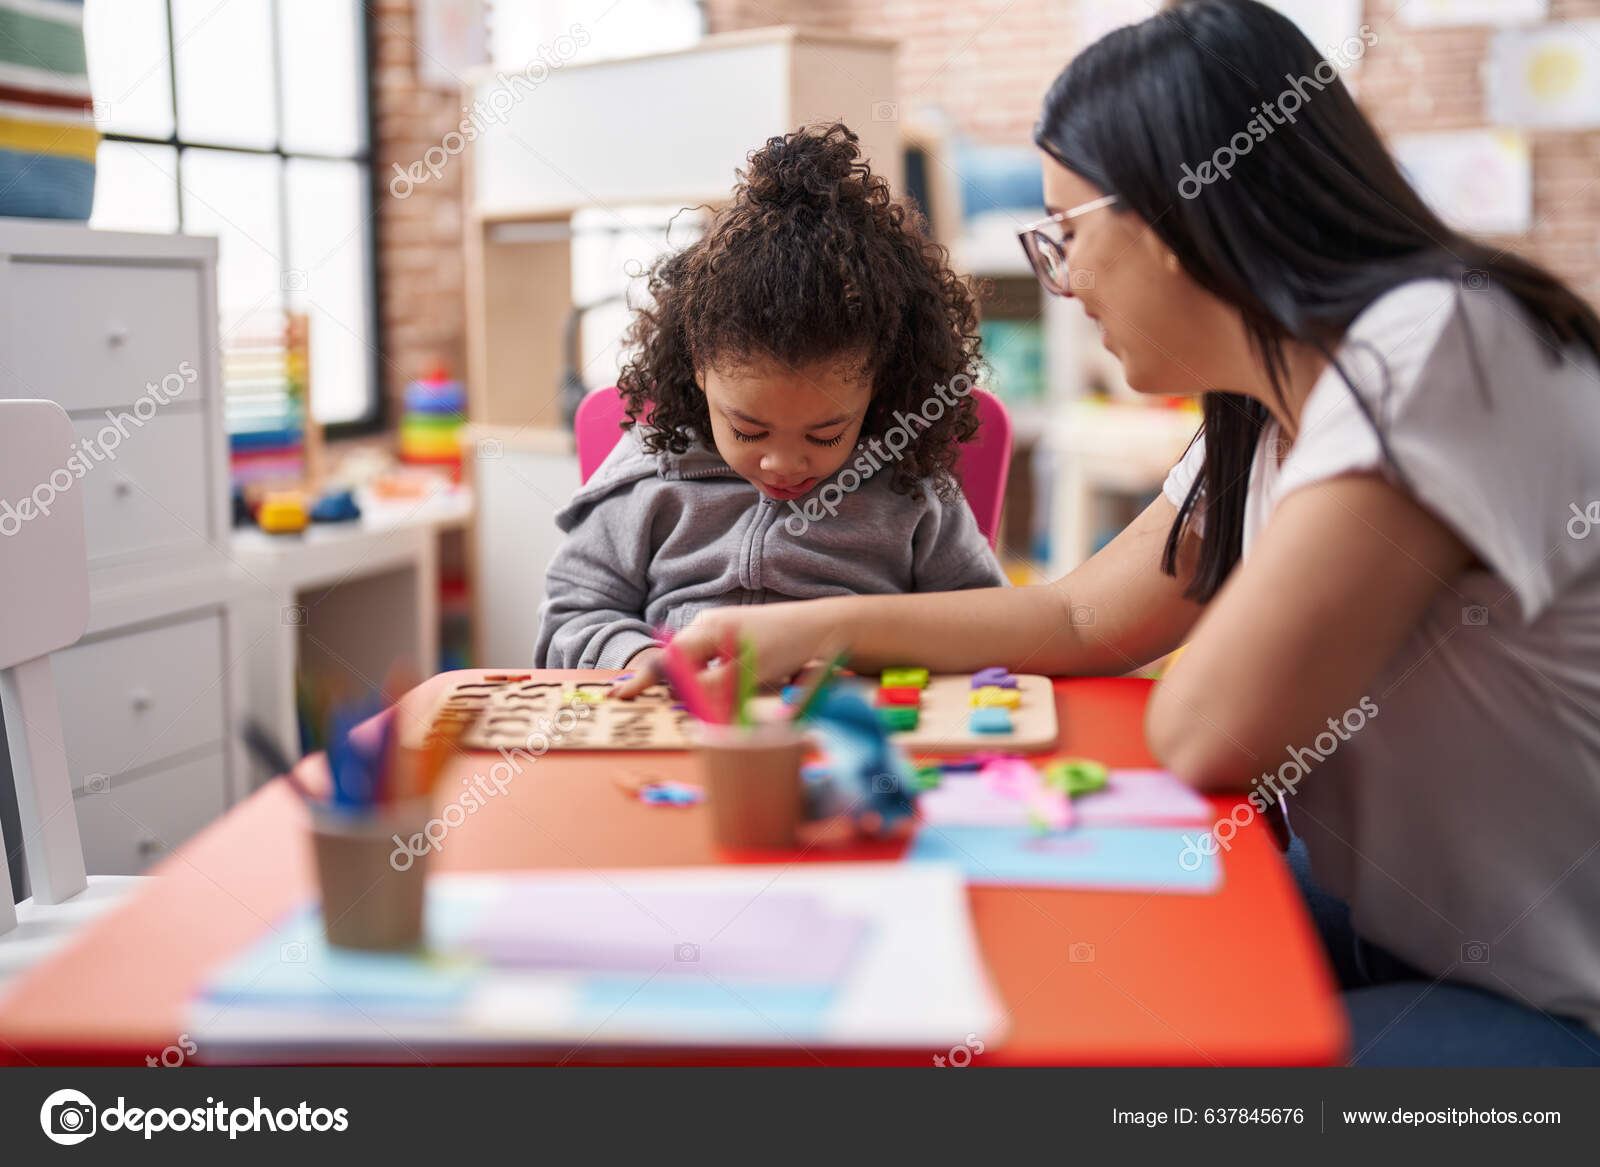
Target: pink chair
(982, 468)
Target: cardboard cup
(371, 883)
(753, 787)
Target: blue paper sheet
(1102, 858)
(306, 969)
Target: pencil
(824, 675)
(747, 682)
(730, 685)
(266, 752)
(680, 674)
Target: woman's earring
(1172, 263)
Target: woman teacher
(1377, 517)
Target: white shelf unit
(1106, 449)
(343, 604)
(150, 696)
(584, 141)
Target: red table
(1231, 978)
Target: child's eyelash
(833, 441)
(744, 437)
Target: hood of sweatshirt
(630, 463)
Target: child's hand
(646, 668)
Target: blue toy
(338, 507)
(990, 719)
(870, 775)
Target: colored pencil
(730, 677)
(417, 770)
(680, 674)
(824, 676)
(747, 683)
(266, 752)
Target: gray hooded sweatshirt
(654, 539)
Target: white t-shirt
(1461, 823)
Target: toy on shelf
(337, 506)
(430, 431)
(274, 442)
(283, 512)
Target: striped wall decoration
(47, 131)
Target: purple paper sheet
(598, 929)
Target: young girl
(1371, 554)
(800, 389)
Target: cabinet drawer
(151, 494)
(130, 825)
(131, 700)
(91, 335)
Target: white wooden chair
(44, 606)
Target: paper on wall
(1477, 181)
(1545, 78)
(1439, 13)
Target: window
(247, 120)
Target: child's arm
(595, 593)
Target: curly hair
(812, 260)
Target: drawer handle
(123, 488)
(141, 699)
(116, 336)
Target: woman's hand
(784, 636)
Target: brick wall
(1423, 79)
(986, 63)
(420, 281)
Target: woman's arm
(1343, 573)
(1114, 613)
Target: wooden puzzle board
(528, 714)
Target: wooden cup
(753, 785)
(372, 885)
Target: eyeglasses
(1047, 254)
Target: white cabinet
(121, 330)
(154, 496)
(129, 325)
(127, 823)
(135, 696)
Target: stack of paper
(1138, 834)
(861, 955)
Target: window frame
(375, 418)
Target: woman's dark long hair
(1314, 224)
